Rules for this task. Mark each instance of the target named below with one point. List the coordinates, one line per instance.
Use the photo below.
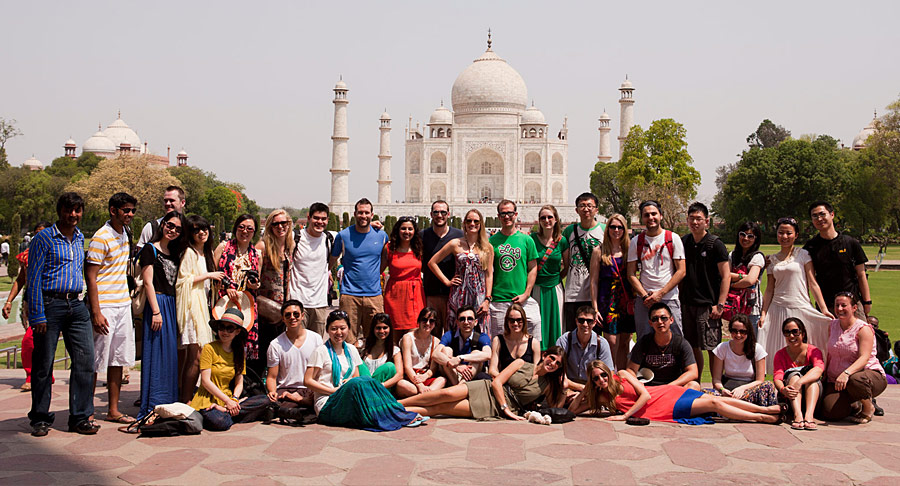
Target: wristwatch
(504, 407)
(867, 302)
(488, 298)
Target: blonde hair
(557, 232)
(482, 244)
(269, 238)
(606, 247)
(601, 397)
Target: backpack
(329, 243)
(667, 242)
(882, 345)
(740, 301)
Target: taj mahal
(492, 145)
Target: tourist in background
(799, 368)
(611, 293)
(403, 293)
(275, 249)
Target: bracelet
(488, 298)
(846, 372)
(867, 302)
(504, 407)
(156, 313)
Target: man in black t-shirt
(433, 239)
(704, 289)
(668, 355)
(838, 259)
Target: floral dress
(612, 298)
(235, 267)
(472, 289)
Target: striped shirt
(55, 264)
(109, 250)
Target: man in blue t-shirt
(465, 351)
(361, 246)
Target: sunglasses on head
(294, 314)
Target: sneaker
(878, 410)
(85, 427)
(40, 429)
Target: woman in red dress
(626, 397)
(404, 295)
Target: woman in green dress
(548, 289)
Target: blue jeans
(72, 319)
(252, 409)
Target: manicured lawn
(893, 252)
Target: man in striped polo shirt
(55, 280)
(110, 303)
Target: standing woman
(791, 277)
(418, 349)
(548, 289)
(747, 264)
(159, 261)
(855, 377)
(474, 270)
(275, 248)
(239, 260)
(611, 291)
(404, 295)
(195, 273)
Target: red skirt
(403, 300)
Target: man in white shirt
(173, 200)
(661, 258)
(288, 356)
(583, 237)
(310, 278)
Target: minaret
(340, 165)
(70, 147)
(626, 118)
(384, 160)
(605, 154)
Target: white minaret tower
(340, 165)
(605, 154)
(384, 160)
(626, 106)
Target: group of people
(463, 324)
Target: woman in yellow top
(222, 361)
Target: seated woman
(798, 373)
(418, 349)
(515, 342)
(739, 366)
(855, 377)
(625, 397)
(381, 359)
(221, 363)
(515, 390)
(342, 397)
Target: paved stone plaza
(447, 451)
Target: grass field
(893, 252)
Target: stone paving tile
(163, 465)
(820, 476)
(858, 433)
(886, 457)
(882, 481)
(63, 463)
(695, 455)
(768, 435)
(257, 481)
(580, 451)
(590, 431)
(411, 433)
(707, 479)
(299, 445)
(513, 428)
(496, 476)
(496, 450)
(429, 447)
(601, 472)
(202, 441)
(247, 467)
(30, 479)
(665, 431)
(797, 455)
(108, 439)
(372, 471)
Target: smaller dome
(385, 116)
(99, 143)
(604, 116)
(70, 143)
(626, 84)
(441, 116)
(340, 85)
(533, 116)
(33, 164)
(182, 153)
(859, 141)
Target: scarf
(336, 377)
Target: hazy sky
(246, 87)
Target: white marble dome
(533, 116)
(70, 143)
(182, 153)
(441, 116)
(489, 84)
(99, 143)
(604, 116)
(626, 85)
(119, 132)
(33, 164)
(385, 116)
(859, 141)
(340, 85)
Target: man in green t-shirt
(515, 270)
(583, 237)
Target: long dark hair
(555, 380)
(750, 341)
(798, 322)
(738, 257)
(380, 318)
(240, 219)
(176, 247)
(415, 244)
(195, 224)
(238, 351)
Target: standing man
(433, 239)
(173, 200)
(107, 292)
(4, 253)
(361, 246)
(310, 278)
(515, 271)
(705, 286)
(660, 254)
(583, 237)
(55, 280)
(838, 259)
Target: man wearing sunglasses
(433, 239)
(106, 266)
(583, 237)
(287, 360)
(465, 350)
(665, 353)
(583, 346)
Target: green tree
(881, 158)
(76, 168)
(220, 200)
(768, 135)
(614, 196)
(15, 237)
(35, 197)
(333, 223)
(345, 220)
(8, 131)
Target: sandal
(798, 425)
(121, 419)
(860, 418)
(811, 425)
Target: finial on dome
(442, 101)
(120, 114)
(875, 113)
(532, 102)
(489, 38)
(99, 126)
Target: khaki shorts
(361, 310)
(315, 319)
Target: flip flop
(121, 419)
(798, 425)
(811, 425)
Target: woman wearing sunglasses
(548, 291)
(159, 261)
(626, 397)
(791, 278)
(611, 292)
(275, 249)
(404, 295)
(739, 366)
(798, 374)
(421, 370)
(747, 264)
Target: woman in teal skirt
(381, 358)
(548, 289)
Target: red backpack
(740, 301)
(642, 242)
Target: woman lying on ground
(626, 397)
(490, 399)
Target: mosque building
(489, 145)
